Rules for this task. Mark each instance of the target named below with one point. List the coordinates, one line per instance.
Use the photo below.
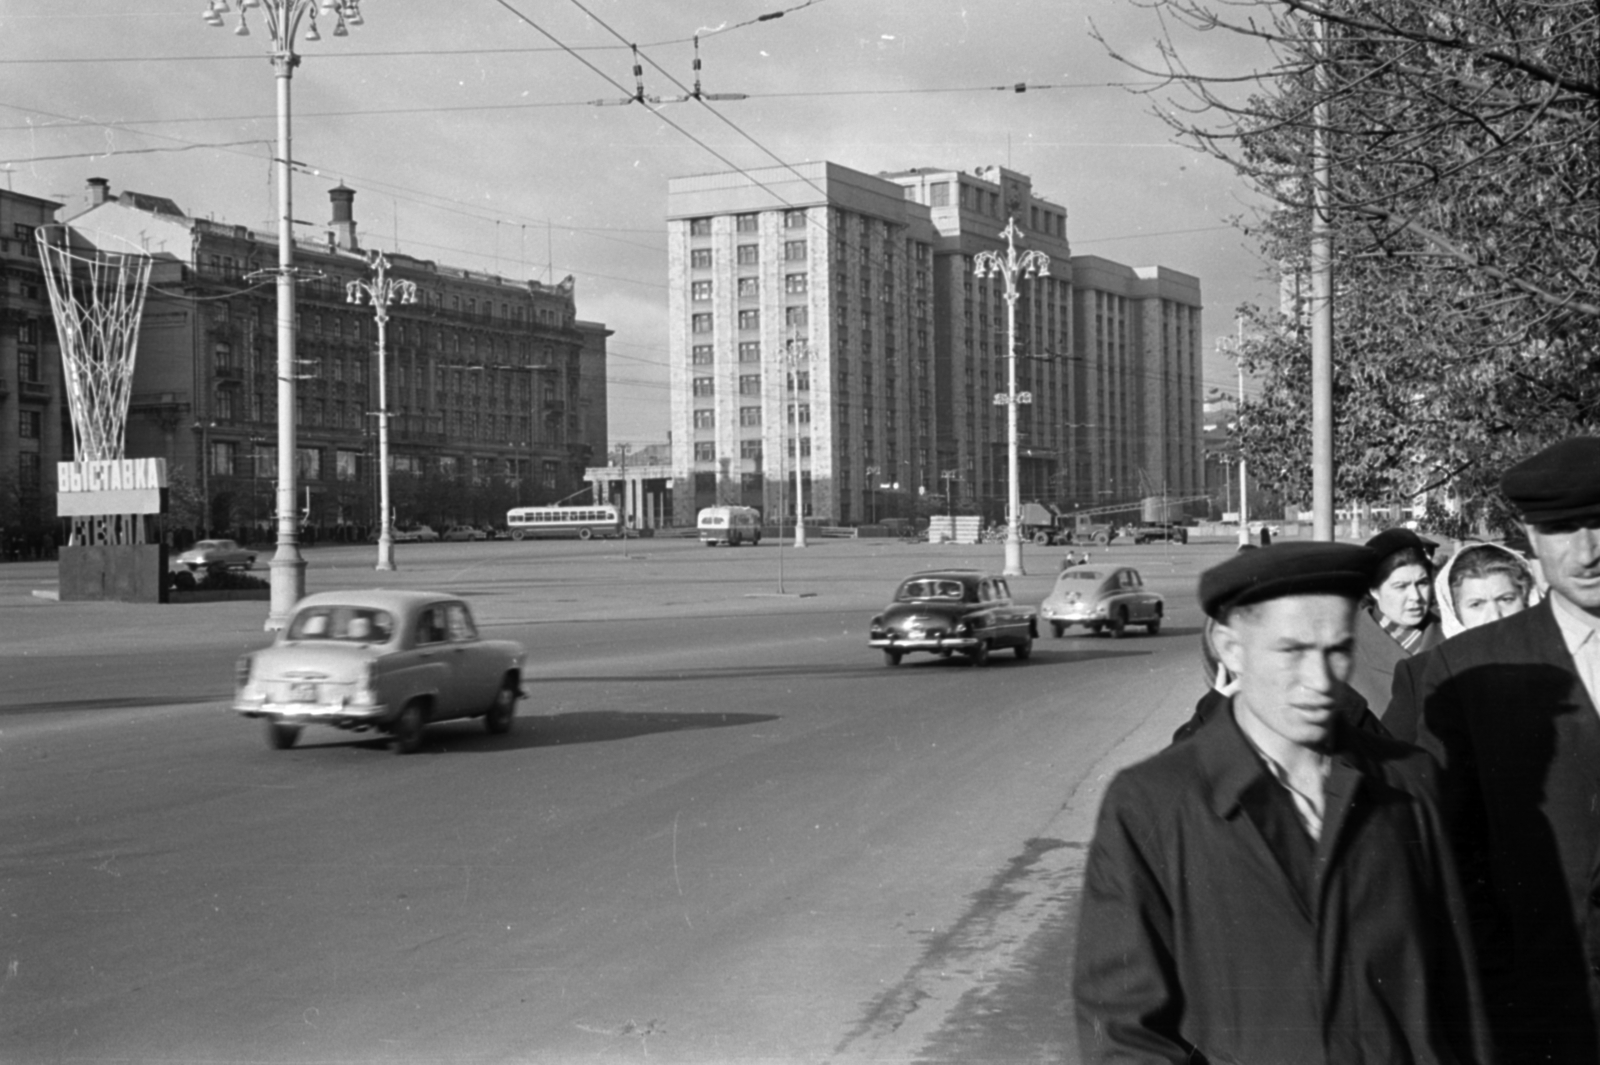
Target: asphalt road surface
(721, 831)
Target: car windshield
(350, 624)
(931, 588)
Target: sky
(469, 132)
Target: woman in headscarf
(1397, 619)
(1482, 583)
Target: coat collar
(1230, 766)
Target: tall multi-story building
(35, 432)
(493, 383)
(873, 278)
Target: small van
(729, 525)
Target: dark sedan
(947, 612)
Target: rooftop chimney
(99, 191)
(344, 223)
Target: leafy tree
(1464, 202)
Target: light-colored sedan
(1102, 598)
(464, 533)
(217, 554)
(386, 661)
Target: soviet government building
(826, 316)
(496, 387)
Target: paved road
(722, 831)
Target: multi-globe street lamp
(283, 19)
(380, 292)
(795, 352)
(1012, 268)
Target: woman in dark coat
(1397, 620)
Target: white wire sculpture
(97, 297)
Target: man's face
(1292, 656)
(1569, 553)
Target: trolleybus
(584, 522)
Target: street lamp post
(381, 291)
(283, 18)
(1012, 268)
(873, 472)
(950, 476)
(795, 352)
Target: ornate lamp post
(381, 291)
(795, 352)
(1012, 268)
(872, 473)
(283, 19)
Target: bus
(584, 522)
(729, 525)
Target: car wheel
(1058, 629)
(516, 534)
(1024, 649)
(281, 737)
(585, 533)
(980, 653)
(1042, 539)
(1101, 539)
(1154, 627)
(504, 708)
(1119, 624)
(892, 656)
(408, 729)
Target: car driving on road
(946, 612)
(217, 554)
(1102, 599)
(386, 661)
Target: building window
(28, 363)
(700, 323)
(224, 453)
(29, 475)
(699, 227)
(703, 386)
(747, 255)
(750, 449)
(794, 284)
(939, 194)
(749, 288)
(705, 451)
(347, 465)
(750, 384)
(701, 355)
(750, 351)
(800, 381)
(795, 219)
(700, 290)
(705, 419)
(749, 415)
(700, 259)
(795, 317)
(794, 251)
(30, 424)
(745, 223)
(750, 319)
(308, 463)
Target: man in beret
(1509, 711)
(1277, 888)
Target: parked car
(464, 532)
(945, 612)
(217, 554)
(1102, 599)
(386, 661)
(415, 534)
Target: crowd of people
(1378, 838)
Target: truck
(1044, 525)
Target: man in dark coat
(1509, 711)
(1277, 888)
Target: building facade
(496, 389)
(35, 428)
(846, 305)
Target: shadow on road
(109, 702)
(555, 730)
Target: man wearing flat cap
(1509, 711)
(1277, 888)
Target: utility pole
(1321, 305)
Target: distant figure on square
(1509, 709)
(1277, 888)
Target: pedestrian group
(1378, 838)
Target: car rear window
(1080, 575)
(349, 624)
(931, 589)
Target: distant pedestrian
(1277, 888)
(1509, 709)
(1266, 536)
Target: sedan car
(1102, 599)
(463, 532)
(385, 661)
(949, 611)
(217, 554)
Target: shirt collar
(1577, 626)
(1230, 762)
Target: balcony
(38, 391)
(231, 376)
